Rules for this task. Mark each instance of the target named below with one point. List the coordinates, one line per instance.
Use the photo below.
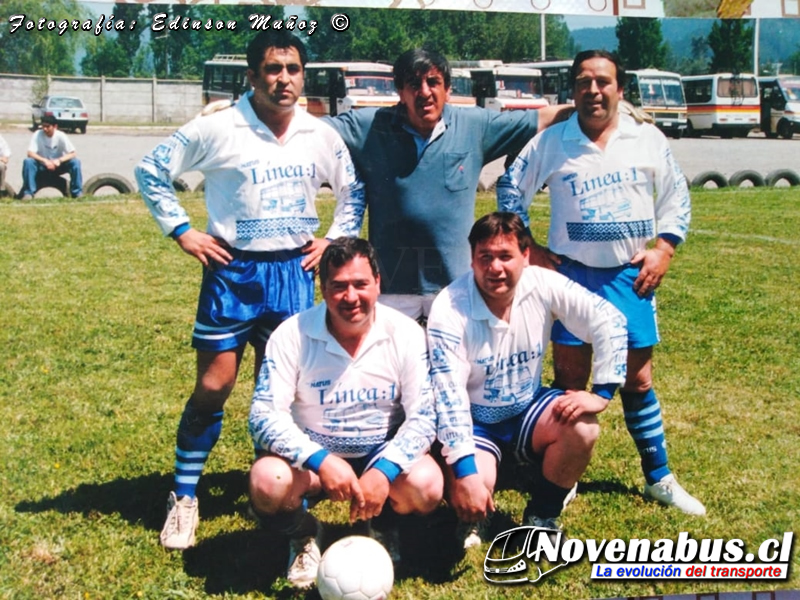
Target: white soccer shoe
(670, 493)
(182, 519)
(304, 558)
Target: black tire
(691, 131)
(200, 187)
(119, 183)
(738, 178)
(180, 185)
(791, 177)
(714, 177)
(785, 130)
(82, 129)
(7, 191)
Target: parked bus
(780, 105)
(225, 78)
(329, 88)
(723, 104)
(461, 88)
(502, 87)
(335, 87)
(556, 87)
(660, 94)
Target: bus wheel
(785, 130)
(117, 182)
(754, 177)
(779, 175)
(715, 177)
(691, 131)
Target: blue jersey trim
(388, 468)
(314, 461)
(465, 466)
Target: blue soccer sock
(643, 419)
(198, 432)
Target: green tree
(697, 62)
(640, 43)
(106, 56)
(731, 44)
(792, 64)
(40, 52)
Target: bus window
(333, 88)
(661, 94)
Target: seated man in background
(343, 407)
(50, 151)
(487, 335)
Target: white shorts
(411, 305)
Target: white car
(70, 113)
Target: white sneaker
(669, 492)
(179, 528)
(304, 557)
(473, 533)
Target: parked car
(70, 113)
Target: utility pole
(543, 42)
(755, 47)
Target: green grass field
(96, 318)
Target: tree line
(373, 35)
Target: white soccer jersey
(259, 192)
(50, 147)
(312, 395)
(602, 201)
(487, 369)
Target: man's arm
(450, 372)
(181, 152)
(673, 210)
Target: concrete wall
(108, 99)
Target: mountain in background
(779, 38)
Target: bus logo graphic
(519, 555)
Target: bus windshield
(737, 87)
(661, 91)
(369, 84)
(517, 86)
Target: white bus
(503, 87)
(555, 79)
(332, 88)
(461, 88)
(723, 104)
(329, 88)
(660, 94)
(780, 105)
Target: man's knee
(270, 484)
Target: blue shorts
(516, 433)
(247, 299)
(616, 286)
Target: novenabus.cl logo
(522, 555)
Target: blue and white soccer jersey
(260, 197)
(487, 372)
(606, 205)
(311, 395)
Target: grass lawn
(96, 319)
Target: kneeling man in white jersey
(343, 409)
(487, 335)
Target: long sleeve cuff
(179, 230)
(465, 466)
(314, 462)
(388, 468)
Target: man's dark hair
(273, 38)
(341, 251)
(586, 55)
(500, 223)
(412, 64)
(49, 120)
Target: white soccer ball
(355, 568)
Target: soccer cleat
(542, 522)
(26, 197)
(182, 518)
(473, 534)
(670, 493)
(389, 538)
(304, 557)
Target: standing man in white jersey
(487, 335)
(343, 408)
(619, 208)
(263, 160)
